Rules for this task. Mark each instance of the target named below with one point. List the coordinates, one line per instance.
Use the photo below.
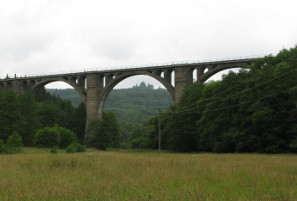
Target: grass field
(94, 175)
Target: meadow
(113, 175)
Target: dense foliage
(249, 111)
(13, 144)
(54, 136)
(2, 147)
(75, 147)
(38, 109)
(104, 132)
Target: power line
(285, 74)
(221, 92)
(231, 106)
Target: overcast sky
(53, 36)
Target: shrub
(81, 148)
(2, 147)
(71, 148)
(47, 137)
(67, 137)
(103, 133)
(54, 150)
(140, 142)
(293, 145)
(14, 143)
(75, 147)
(54, 136)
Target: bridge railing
(201, 61)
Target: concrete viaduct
(94, 86)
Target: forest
(249, 111)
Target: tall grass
(147, 176)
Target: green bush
(2, 147)
(140, 142)
(67, 137)
(47, 137)
(71, 148)
(14, 143)
(293, 145)
(104, 132)
(80, 148)
(75, 147)
(54, 150)
(54, 136)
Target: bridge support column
(92, 98)
(82, 86)
(183, 77)
(167, 76)
(17, 87)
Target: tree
(47, 137)
(14, 143)
(54, 136)
(66, 136)
(97, 135)
(2, 147)
(10, 115)
(248, 111)
(30, 123)
(78, 123)
(104, 132)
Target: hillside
(132, 104)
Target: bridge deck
(139, 68)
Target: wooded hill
(133, 104)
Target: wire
(242, 92)
(231, 106)
(228, 89)
(285, 74)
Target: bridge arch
(72, 83)
(210, 71)
(119, 78)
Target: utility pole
(159, 118)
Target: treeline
(249, 111)
(34, 110)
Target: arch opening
(61, 104)
(194, 75)
(65, 91)
(173, 78)
(134, 100)
(219, 75)
(134, 85)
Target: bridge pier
(183, 77)
(94, 87)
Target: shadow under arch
(214, 71)
(48, 81)
(110, 86)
